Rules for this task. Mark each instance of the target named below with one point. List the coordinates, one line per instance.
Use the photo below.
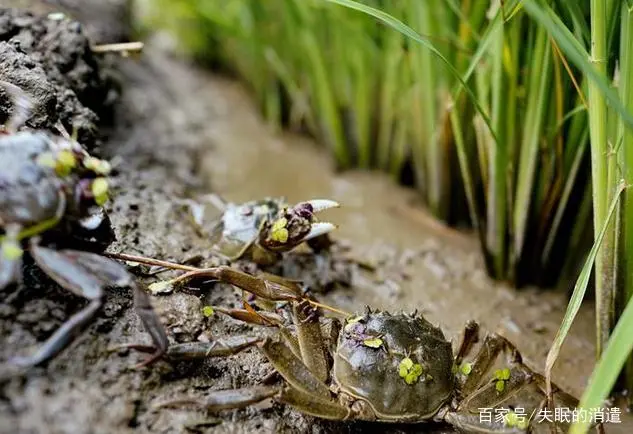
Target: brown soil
(179, 131)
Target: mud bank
(49, 57)
(179, 131)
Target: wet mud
(179, 131)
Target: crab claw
(319, 205)
(318, 229)
(296, 224)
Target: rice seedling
(608, 79)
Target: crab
(52, 189)
(378, 366)
(264, 235)
(261, 230)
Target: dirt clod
(51, 61)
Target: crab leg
(286, 335)
(314, 406)
(471, 423)
(115, 274)
(74, 278)
(10, 249)
(199, 350)
(514, 387)
(152, 325)
(311, 345)
(308, 346)
(261, 287)
(264, 288)
(227, 399)
(262, 318)
(307, 394)
(290, 341)
(240, 398)
(491, 347)
(292, 369)
(469, 338)
(524, 389)
(65, 334)
(84, 274)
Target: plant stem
(599, 149)
(497, 155)
(626, 150)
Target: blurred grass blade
(579, 292)
(329, 120)
(580, 24)
(560, 211)
(545, 16)
(409, 32)
(464, 164)
(497, 222)
(538, 95)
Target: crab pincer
(261, 230)
(295, 225)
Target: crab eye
(305, 210)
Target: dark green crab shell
(367, 365)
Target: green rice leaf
(579, 292)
